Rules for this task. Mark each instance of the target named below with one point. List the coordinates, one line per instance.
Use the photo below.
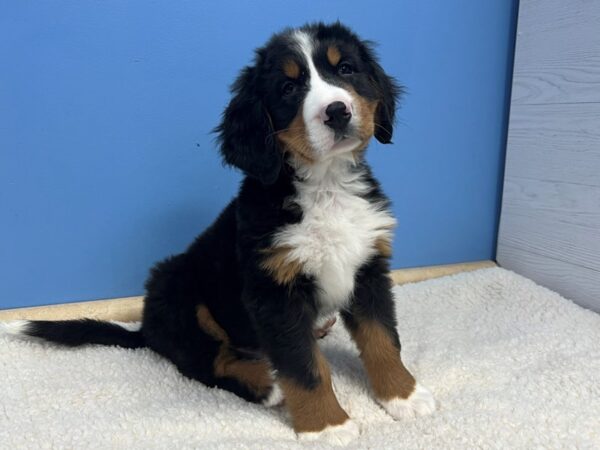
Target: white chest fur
(338, 230)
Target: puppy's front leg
(284, 318)
(371, 320)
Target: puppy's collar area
(331, 168)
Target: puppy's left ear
(246, 132)
(389, 94)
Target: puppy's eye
(345, 69)
(288, 88)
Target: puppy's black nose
(338, 116)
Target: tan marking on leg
(313, 409)
(333, 55)
(389, 378)
(291, 69)
(294, 140)
(254, 374)
(278, 264)
(210, 325)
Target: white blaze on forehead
(320, 95)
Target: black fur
(372, 299)
(386, 111)
(222, 268)
(73, 333)
(246, 133)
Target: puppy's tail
(73, 333)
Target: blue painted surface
(107, 163)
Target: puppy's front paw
(333, 434)
(419, 403)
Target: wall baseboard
(129, 309)
(416, 274)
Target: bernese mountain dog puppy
(308, 236)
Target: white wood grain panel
(573, 282)
(557, 59)
(555, 142)
(553, 220)
(558, 203)
(550, 220)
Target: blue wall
(107, 163)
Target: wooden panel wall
(550, 221)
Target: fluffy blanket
(511, 364)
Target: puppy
(308, 235)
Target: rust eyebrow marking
(333, 55)
(291, 69)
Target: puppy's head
(313, 93)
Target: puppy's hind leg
(249, 377)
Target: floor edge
(129, 309)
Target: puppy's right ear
(246, 132)
(389, 92)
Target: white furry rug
(511, 364)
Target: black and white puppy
(309, 235)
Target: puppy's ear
(246, 132)
(389, 94)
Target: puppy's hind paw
(275, 397)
